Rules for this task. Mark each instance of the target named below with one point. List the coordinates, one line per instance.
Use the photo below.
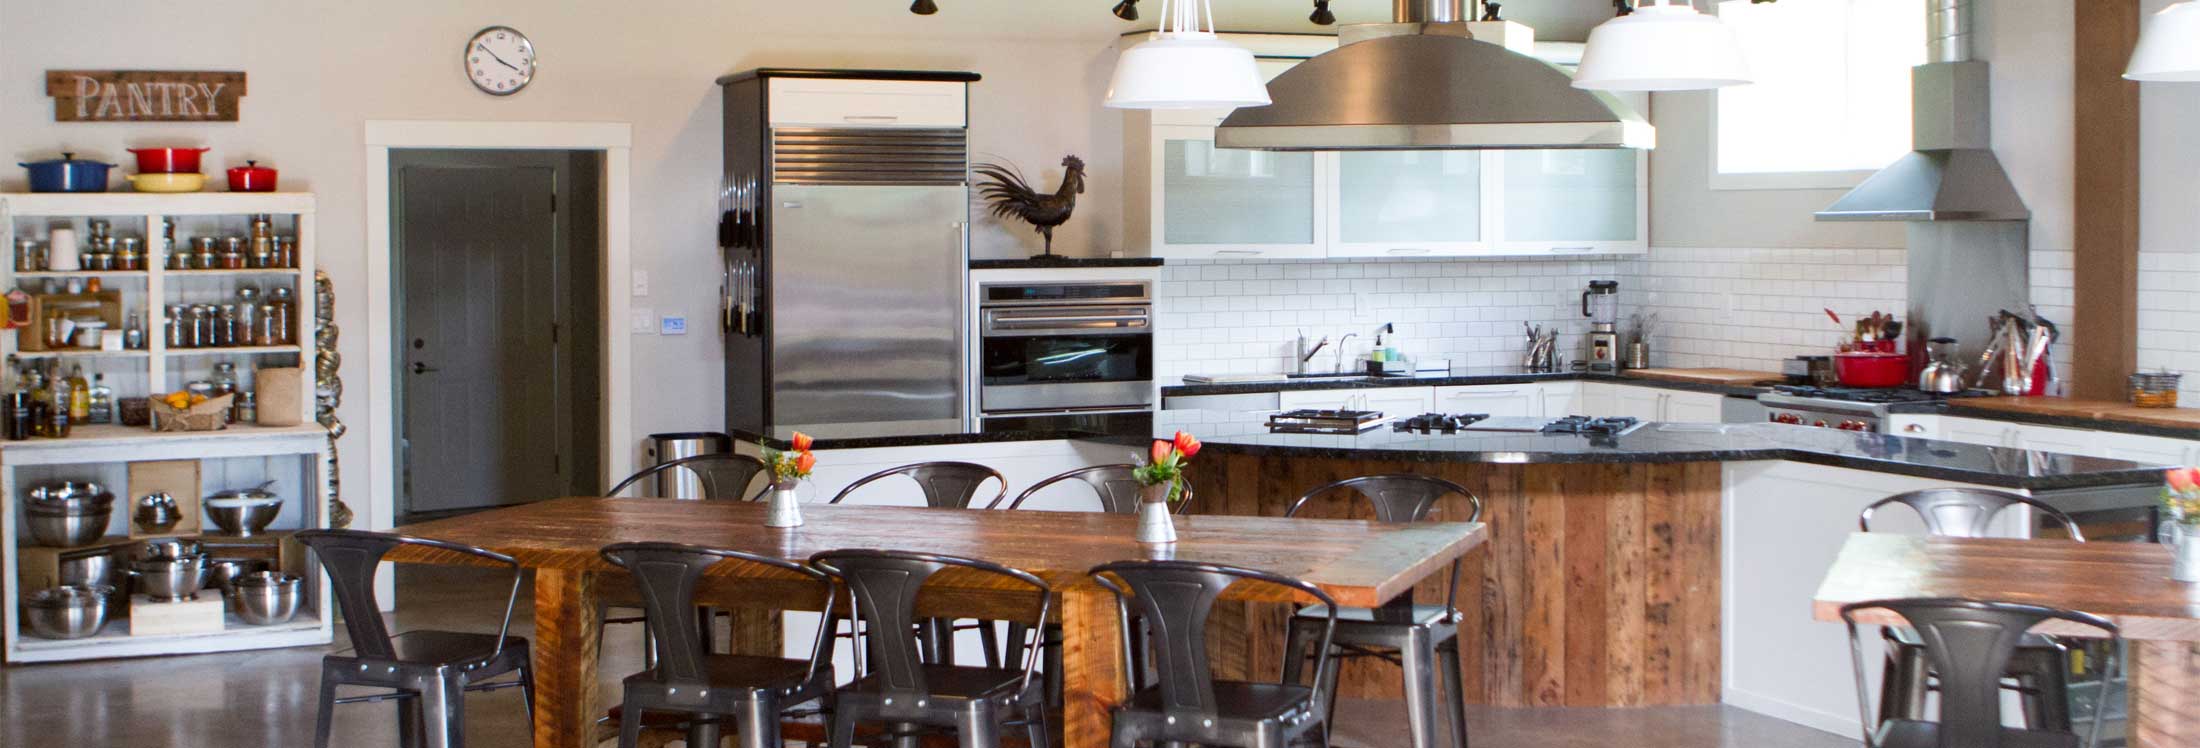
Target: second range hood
(1425, 83)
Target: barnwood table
(2126, 583)
(1359, 563)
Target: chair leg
(630, 726)
(411, 730)
(1455, 692)
(1035, 724)
(703, 732)
(1014, 650)
(979, 728)
(844, 729)
(1121, 735)
(706, 624)
(323, 722)
(1419, 660)
(989, 639)
(443, 710)
(1296, 640)
(1051, 651)
(759, 724)
(527, 695)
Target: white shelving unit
(240, 456)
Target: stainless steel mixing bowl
(226, 572)
(267, 598)
(242, 513)
(169, 580)
(68, 611)
(67, 526)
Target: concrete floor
(267, 699)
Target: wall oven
(1065, 355)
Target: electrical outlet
(1363, 307)
(642, 321)
(672, 324)
(641, 283)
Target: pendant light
(1186, 66)
(1662, 46)
(2169, 46)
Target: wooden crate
(39, 567)
(179, 478)
(199, 616)
(107, 304)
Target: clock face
(500, 61)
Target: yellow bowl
(167, 182)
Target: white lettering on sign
(144, 95)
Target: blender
(1601, 305)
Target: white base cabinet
(1396, 402)
(2058, 439)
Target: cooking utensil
(165, 549)
(167, 182)
(170, 580)
(68, 611)
(1942, 373)
(88, 568)
(251, 177)
(1871, 369)
(69, 493)
(168, 160)
(68, 174)
(224, 573)
(267, 598)
(243, 512)
(67, 526)
(157, 512)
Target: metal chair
(1188, 705)
(1970, 644)
(428, 672)
(725, 476)
(1117, 488)
(753, 691)
(902, 688)
(2040, 667)
(1421, 639)
(946, 485)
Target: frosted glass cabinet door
(1575, 195)
(1224, 202)
(1408, 202)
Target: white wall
(319, 70)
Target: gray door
(480, 370)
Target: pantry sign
(144, 95)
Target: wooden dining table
(1359, 563)
(2126, 583)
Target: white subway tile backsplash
(2169, 317)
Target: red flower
(805, 462)
(2184, 480)
(1187, 444)
(802, 442)
(1161, 449)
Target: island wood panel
(1598, 584)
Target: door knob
(420, 368)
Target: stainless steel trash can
(680, 483)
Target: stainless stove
(1846, 408)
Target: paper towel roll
(61, 249)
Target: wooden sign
(144, 95)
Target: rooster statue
(1010, 197)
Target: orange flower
(2183, 480)
(1187, 444)
(802, 442)
(1161, 450)
(805, 462)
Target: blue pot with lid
(68, 174)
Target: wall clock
(500, 60)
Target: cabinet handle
(1915, 428)
(872, 118)
(1574, 250)
(1408, 251)
(1241, 252)
(1486, 393)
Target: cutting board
(1728, 377)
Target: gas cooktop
(1876, 396)
(1311, 421)
(1611, 426)
(1438, 423)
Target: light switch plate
(643, 321)
(672, 324)
(641, 283)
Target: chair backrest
(947, 485)
(1400, 497)
(885, 584)
(1174, 599)
(351, 558)
(1116, 485)
(667, 574)
(1968, 643)
(725, 476)
(1965, 512)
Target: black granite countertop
(1453, 378)
(1246, 433)
(1059, 261)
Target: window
(1831, 103)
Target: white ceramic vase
(2185, 553)
(1154, 524)
(784, 508)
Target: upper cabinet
(1186, 199)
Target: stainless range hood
(1953, 175)
(1425, 83)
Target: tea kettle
(1942, 375)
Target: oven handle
(1098, 410)
(1066, 324)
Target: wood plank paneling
(2105, 332)
(1598, 585)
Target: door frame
(615, 141)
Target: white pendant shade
(1661, 48)
(1186, 67)
(2169, 46)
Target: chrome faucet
(1306, 354)
(1342, 351)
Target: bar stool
(1969, 644)
(2040, 665)
(753, 691)
(430, 671)
(902, 688)
(1188, 705)
(1420, 639)
(725, 476)
(946, 485)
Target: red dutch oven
(251, 177)
(1871, 369)
(168, 160)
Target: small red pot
(1869, 369)
(251, 177)
(168, 160)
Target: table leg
(1092, 665)
(566, 705)
(2165, 694)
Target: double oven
(1066, 355)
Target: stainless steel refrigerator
(845, 259)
